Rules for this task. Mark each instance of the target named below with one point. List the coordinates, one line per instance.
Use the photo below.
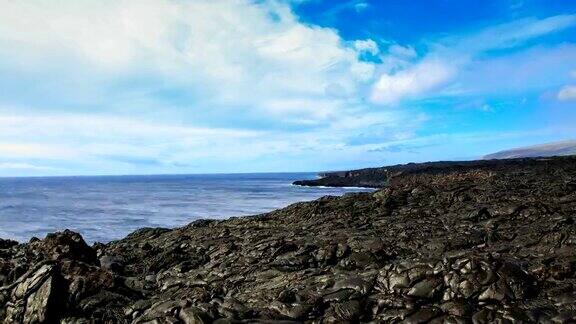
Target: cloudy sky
(202, 86)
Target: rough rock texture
(379, 177)
(461, 244)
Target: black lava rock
(480, 241)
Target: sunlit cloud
(423, 77)
(160, 86)
(450, 57)
(227, 52)
(567, 93)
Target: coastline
(443, 241)
(109, 208)
(329, 187)
(380, 177)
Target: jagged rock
(478, 242)
(111, 263)
(37, 298)
(424, 315)
(40, 306)
(349, 311)
(193, 315)
(64, 245)
(6, 244)
(426, 288)
(355, 283)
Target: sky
(223, 86)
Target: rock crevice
(473, 243)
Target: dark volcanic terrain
(466, 242)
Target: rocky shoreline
(379, 177)
(481, 242)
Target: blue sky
(176, 86)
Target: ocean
(107, 208)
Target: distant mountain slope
(550, 149)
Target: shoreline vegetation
(443, 242)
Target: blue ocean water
(108, 208)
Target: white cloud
(367, 46)
(85, 144)
(567, 93)
(537, 70)
(404, 52)
(24, 166)
(229, 52)
(22, 150)
(193, 78)
(402, 76)
(511, 34)
(71, 136)
(421, 78)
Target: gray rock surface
(462, 244)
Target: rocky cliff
(441, 243)
(379, 177)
